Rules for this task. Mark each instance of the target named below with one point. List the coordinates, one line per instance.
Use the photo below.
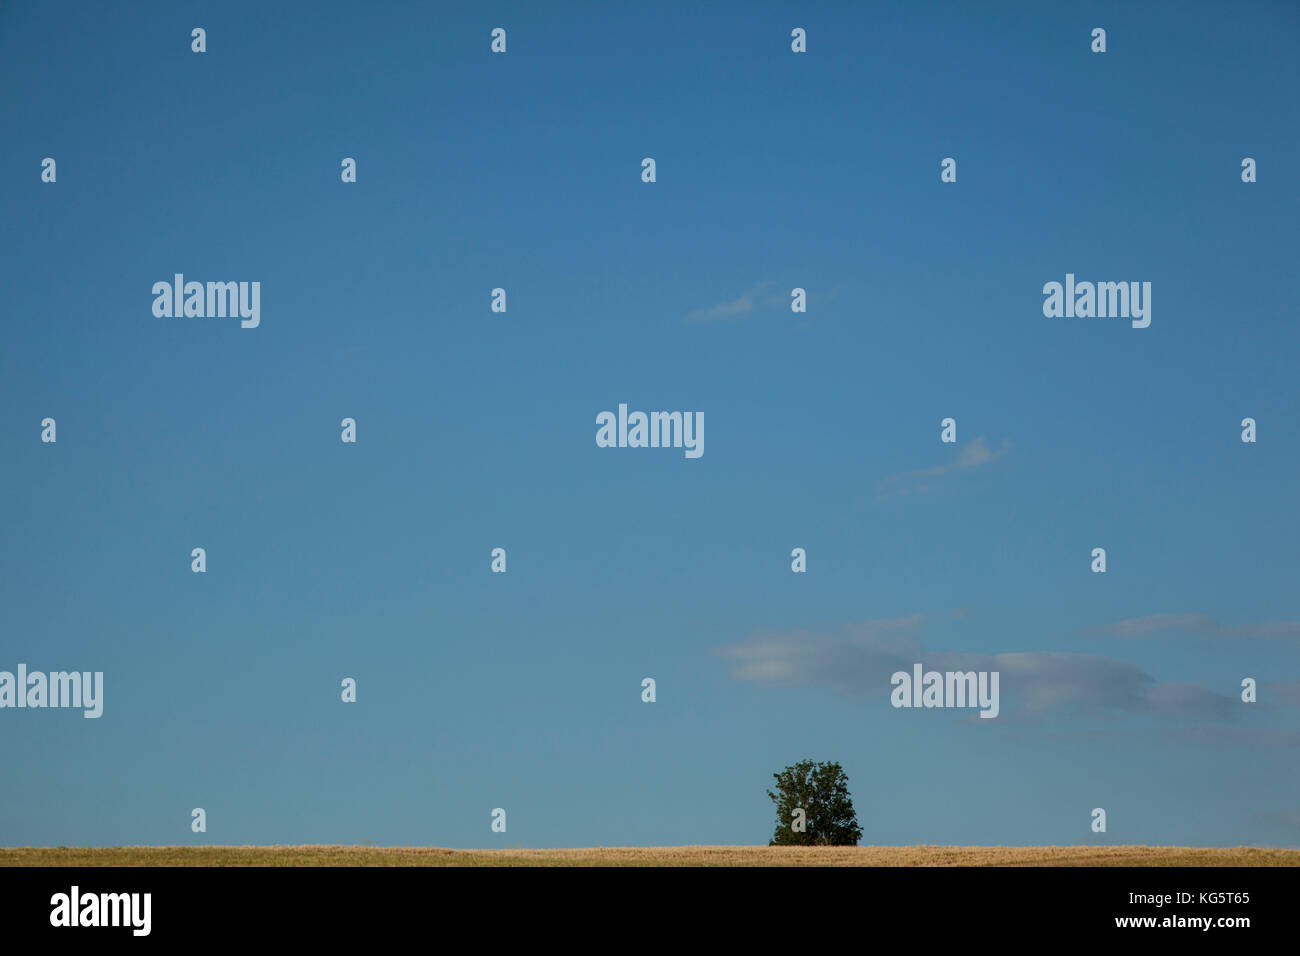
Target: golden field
(650, 856)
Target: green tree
(821, 790)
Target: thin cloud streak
(859, 663)
(975, 454)
(1198, 624)
(737, 308)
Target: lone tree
(821, 791)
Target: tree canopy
(821, 792)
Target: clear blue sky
(477, 430)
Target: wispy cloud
(1282, 818)
(859, 663)
(1236, 737)
(974, 454)
(760, 296)
(1282, 691)
(1142, 626)
(1198, 624)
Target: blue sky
(476, 429)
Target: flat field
(650, 856)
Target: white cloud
(1200, 624)
(974, 454)
(734, 309)
(859, 663)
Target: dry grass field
(649, 856)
